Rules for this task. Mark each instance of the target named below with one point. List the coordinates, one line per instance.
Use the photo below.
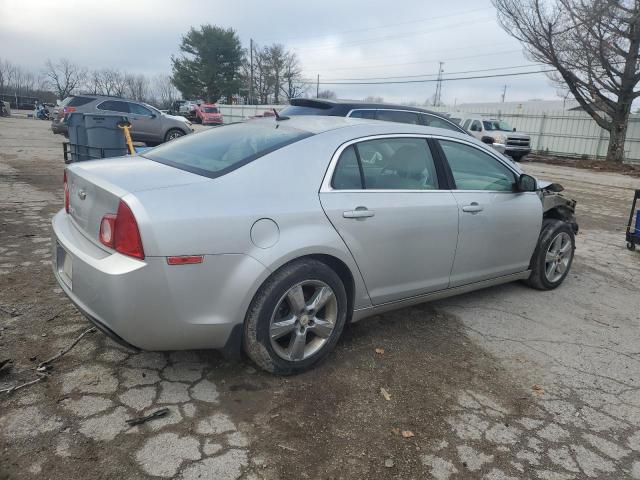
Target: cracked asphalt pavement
(504, 383)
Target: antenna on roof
(278, 116)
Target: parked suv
(148, 124)
(208, 114)
(371, 111)
(500, 134)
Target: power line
(419, 62)
(435, 74)
(386, 37)
(319, 35)
(438, 80)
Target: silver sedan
(268, 236)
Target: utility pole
(438, 95)
(251, 75)
(318, 87)
(504, 93)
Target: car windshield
(209, 109)
(218, 151)
(496, 125)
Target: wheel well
(345, 275)
(562, 213)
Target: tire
(173, 134)
(543, 275)
(631, 246)
(272, 312)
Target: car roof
(317, 124)
(329, 103)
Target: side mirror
(526, 183)
(514, 129)
(153, 115)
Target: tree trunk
(618, 134)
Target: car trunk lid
(96, 187)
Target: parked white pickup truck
(500, 135)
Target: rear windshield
(220, 150)
(209, 109)
(78, 101)
(298, 110)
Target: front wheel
(553, 255)
(296, 318)
(173, 134)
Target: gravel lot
(499, 384)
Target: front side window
(474, 169)
(398, 116)
(387, 164)
(114, 106)
(139, 109)
(220, 150)
(368, 114)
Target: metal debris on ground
(157, 414)
(43, 368)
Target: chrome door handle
(360, 212)
(474, 207)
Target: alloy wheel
(558, 257)
(303, 320)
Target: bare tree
(165, 91)
(292, 84)
(593, 45)
(64, 76)
(137, 87)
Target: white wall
(568, 133)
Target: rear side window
(368, 114)
(78, 101)
(466, 124)
(218, 151)
(387, 164)
(114, 106)
(398, 116)
(433, 121)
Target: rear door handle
(360, 212)
(474, 207)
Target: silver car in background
(270, 235)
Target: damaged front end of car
(555, 205)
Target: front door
(143, 121)
(384, 200)
(499, 227)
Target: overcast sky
(337, 39)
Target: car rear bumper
(148, 304)
(59, 127)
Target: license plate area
(64, 266)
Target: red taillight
(66, 193)
(69, 109)
(121, 232)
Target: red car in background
(208, 114)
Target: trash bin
(104, 137)
(77, 137)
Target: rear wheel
(173, 134)
(296, 318)
(553, 255)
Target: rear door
(384, 197)
(498, 227)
